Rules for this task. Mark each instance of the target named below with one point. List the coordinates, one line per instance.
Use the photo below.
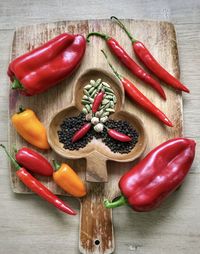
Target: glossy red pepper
(45, 66)
(123, 56)
(97, 101)
(37, 187)
(139, 98)
(155, 177)
(34, 161)
(119, 136)
(82, 132)
(146, 57)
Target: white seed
(110, 110)
(103, 119)
(84, 110)
(105, 101)
(87, 86)
(92, 82)
(105, 84)
(85, 97)
(95, 120)
(98, 127)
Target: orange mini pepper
(30, 128)
(68, 180)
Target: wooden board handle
(96, 228)
(96, 170)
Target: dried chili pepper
(33, 161)
(123, 56)
(155, 177)
(68, 180)
(30, 128)
(37, 187)
(146, 57)
(138, 97)
(45, 66)
(82, 132)
(97, 101)
(119, 136)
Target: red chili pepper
(155, 177)
(82, 132)
(37, 187)
(138, 97)
(119, 136)
(146, 57)
(45, 66)
(123, 56)
(97, 101)
(34, 161)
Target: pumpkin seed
(108, 93)
(105, 114)
(109, 97)
(93, 93)
(86, 92)
(88, 107)
(105, 101)
(114, 99)
(99, 87)
(103, 119)
(108, 89)
(107, 105)
(85, 97)
(105, 84)
(101, 112)
(91, 90)
(84, 110)
(84, 102)
(92, 82)
(91, 100)
(110, 110)
(98, 82)
(112, 105)
(87, 87)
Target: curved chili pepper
(82, 132)
(138, 97)
(119, 136)
(34, 161)
(37, 187)
(30, 128)
(155, 177)
(146, 57)
(41, 68)
(68, 180)
(123, 56)
(97, 101)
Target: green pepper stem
(124, 28)
(13, 161)
(119, 202)
(104, 36)
(111, 66)
(56, 165)
(16, 84)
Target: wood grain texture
(29, 225)
(160, 38)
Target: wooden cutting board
(96, 229)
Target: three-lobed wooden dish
(96, 153)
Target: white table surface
(29, 225)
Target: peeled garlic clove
(95, 120)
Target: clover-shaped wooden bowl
(96, 152)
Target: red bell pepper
(45, 66)
(155, 177)
(34, 161)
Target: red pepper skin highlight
(45, 66)
(123, 56)
(97, 101)
(119, 136)
(37, 187)
(34, 161)
(82, 132)
(155, 177)
(146, 57)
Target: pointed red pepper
(155, 177)
(45, 66)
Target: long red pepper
(97, 101)
(34, 161)
(123, 56)
(119, 136)
(138, 97)
(155, 177)
(37, 187)
(45, 66)
(146, 57)
(82, 132)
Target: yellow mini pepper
(68, 180)
(30, 128)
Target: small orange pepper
(68, 180)
(30, 128)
